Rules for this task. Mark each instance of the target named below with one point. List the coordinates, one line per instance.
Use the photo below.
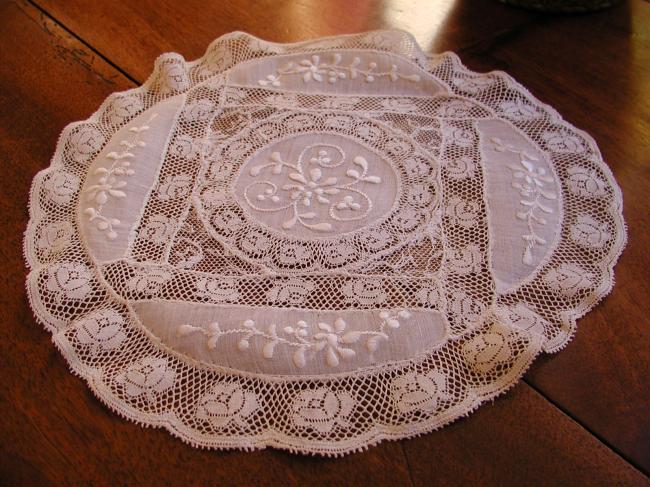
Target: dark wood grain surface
(580, 417)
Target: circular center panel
(316, 185)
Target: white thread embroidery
(330, 338)
(529, 181)
(316, 70)
(108, 183)
(304, 186)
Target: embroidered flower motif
(225, 404)
(589, 232)
(520, 316)
(149, 377)
(488, 350)
(473, 85)
(173, 78)
(292, 291)
(198, 111)
(462, 212)
(420, 195)
(518, 110)
(148, 281)
(569, 279)
(455, 108)
(585, 182)
(465, 307)
(107, 186)
(420, 392)
(61, 187)
(158, 230)
(462, 167)
(340, 253)
(54, 237)
(184, 146)
(69, 280)
(563, 143)
(322, 409)
(466, 260)
(218, 290)
(173, 187)
(428, 296)
(101, 331)
(330, 338)
(417, 167)
(459, 136)
(295, 254)
(84, 143)
(226, 221)
(123, 108)
(366, 292)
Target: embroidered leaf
(393, 323)
(267, 351)
(346, 353)
(185, 330)
(353, 173)
(243, 345)
(372, 344)
(308, 216)
(299, 358)
(324, 327)
(315, 174)
(361, 161)
(290, 223)
(373, 179)
(339, 324)
(351, 337)
(332, 358)
(528, 256)
(298, 177)
(212, 342)
(320, 227)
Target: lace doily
(317, 246)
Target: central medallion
(316, 184)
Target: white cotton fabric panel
(120, 180)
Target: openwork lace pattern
(428, 251)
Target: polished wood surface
(580, 417)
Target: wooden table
(580, 417)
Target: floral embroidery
(585, 182)
(84, 143)
(467, 260)
(569, 279)
(217, 290)
(158, 229)
(69, 280)
(173, 78)
(420, 392)
(109, 183)
(589, 232)
(331, 339)
(520, 316)
(292, 291)
(314, 69)
(322, 409)
(529, 181)
(465, 307)
(518, 111)
(473, 85)
(305, 187)
(173, 187)
(563, 142)
(428, 296)
(462, 212)
(366, 292)
(149, 377)
(462, 167)
(101, 331)
(487, 351)
(61, 187)
(148, 281)
(54, 237)
(123, 108)
(225, 404)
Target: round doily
(317, 246)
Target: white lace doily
(317, 246)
